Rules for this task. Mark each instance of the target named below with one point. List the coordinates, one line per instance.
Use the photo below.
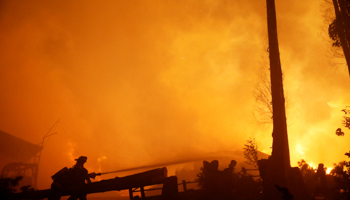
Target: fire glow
(143, 82)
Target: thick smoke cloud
(142, 82)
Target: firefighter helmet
(81, 159)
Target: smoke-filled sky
(143, 82)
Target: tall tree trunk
(280, 146)
(274, 171)
(279, 179)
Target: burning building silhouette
(19, 158)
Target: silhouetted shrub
(8, 186)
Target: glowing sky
(140, 82)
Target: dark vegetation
(10, 185)
(335, 185)
(250, 152)
(340, 26)
(341, 171)
(339, 32)
(341, 174)
(345, 122)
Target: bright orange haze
(142, 82)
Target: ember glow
(144, 82)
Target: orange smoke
(153, 82)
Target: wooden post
(184, 185)
(131, 195)
(142, 192)
(170, 188)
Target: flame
(312, 165)
(315, 167)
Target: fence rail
(184, 182)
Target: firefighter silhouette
(228, 181)
(70, 179)
(321, 181)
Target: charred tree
(279, 179)
(280, 146)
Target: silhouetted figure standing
(210, 175)
(229, 180)
(320, 176)
(80, 175)
(231, 167)
(209, 178)
(75, 177)
(229, 177)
